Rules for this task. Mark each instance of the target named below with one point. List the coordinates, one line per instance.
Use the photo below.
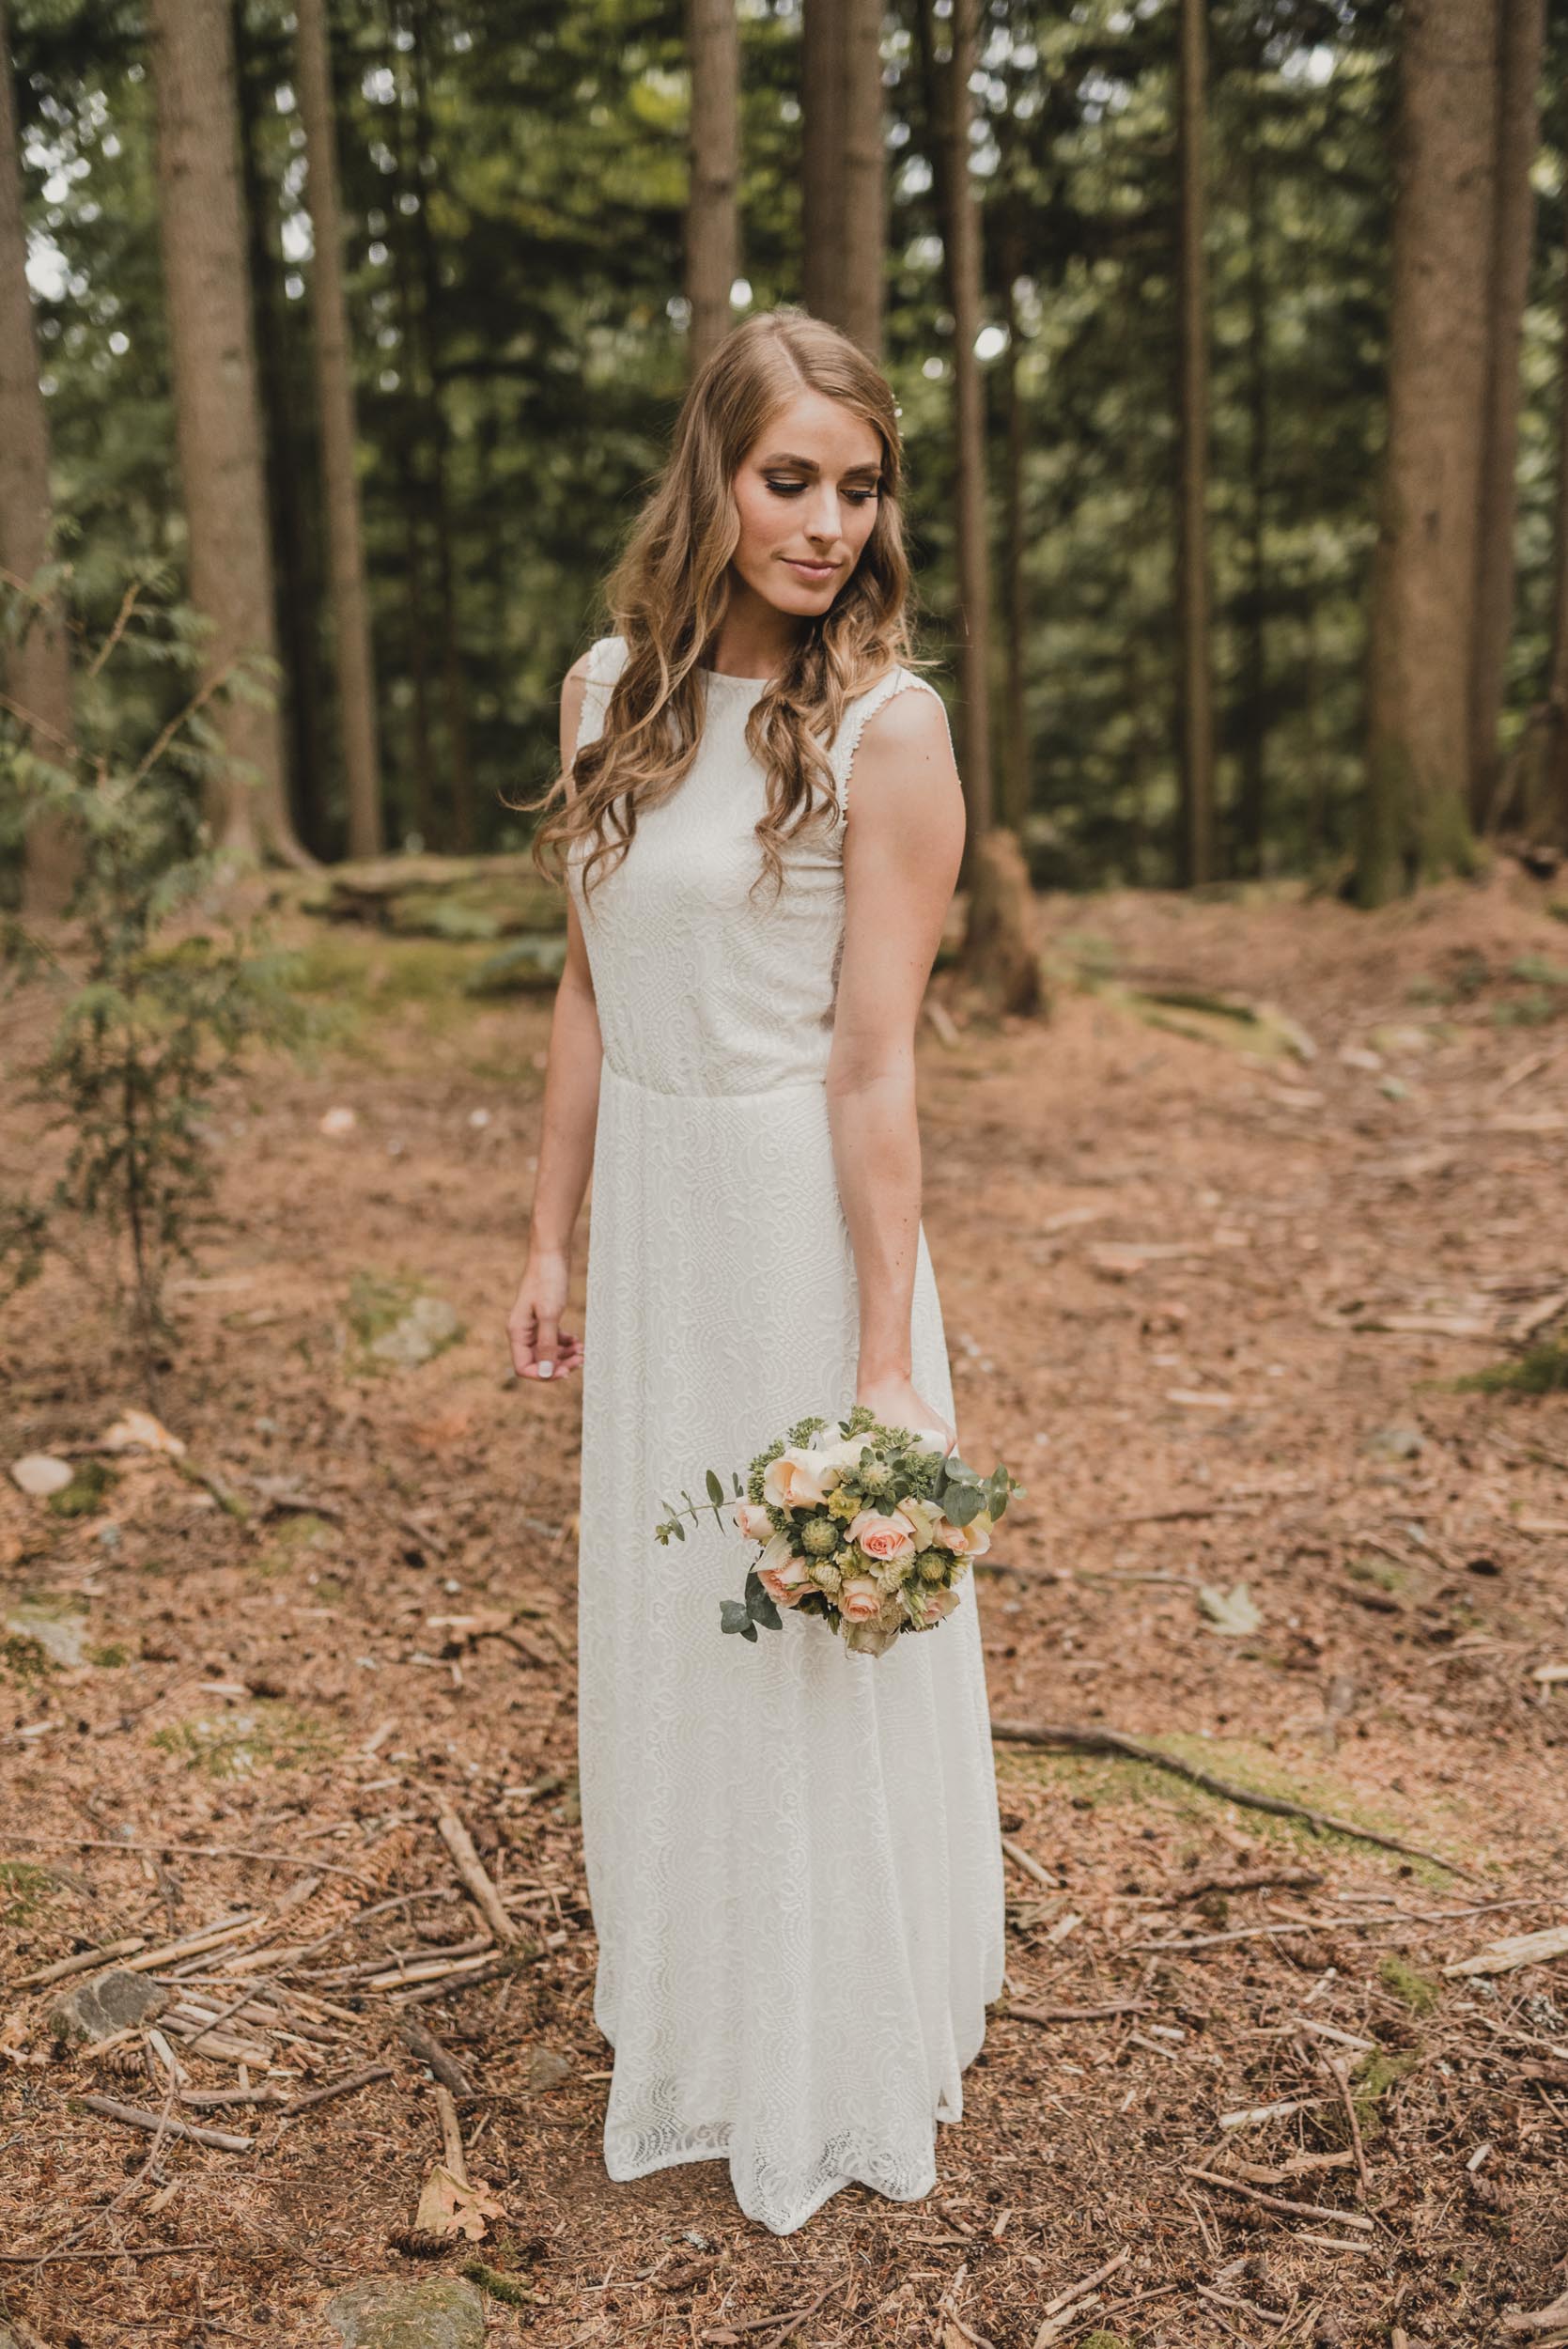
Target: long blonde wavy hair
(669, 592)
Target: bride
(792, 1852)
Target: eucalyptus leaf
(764, 1610)
(715, 1490)
(732, 1615)
(963, 1502)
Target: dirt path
(1213, 1307)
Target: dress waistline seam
(759, 1092)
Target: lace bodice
(700, 988)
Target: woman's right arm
(540, 1347)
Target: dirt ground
(1212, 1279)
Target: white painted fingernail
(547, 1369)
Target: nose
(822, 515)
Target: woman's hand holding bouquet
(872, 1529)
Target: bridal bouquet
(873, 1530)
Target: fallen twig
(1111, 1741)
(472, 1869)
(428, 2047)
(330, 2089)
(1275, 2202)
(83, 1962)
(133, 2117)
(1075, 2014)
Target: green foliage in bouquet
(895, 1465)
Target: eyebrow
(809, 464)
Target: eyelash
(792, 489)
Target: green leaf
(963, 1502)
(732, 1615)
(677, 1528)
(763, 1610)
(750, 1632)
(715, 1490)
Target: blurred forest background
(1228, 337)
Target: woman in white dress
(792, 1851)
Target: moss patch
(88, 1492)
(1104, 1779)
(263, 1737)
(1544, 1370)
(1414, 1990)
(24, 1889)
(1372, 2080)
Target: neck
(756, 639)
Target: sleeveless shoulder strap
(606, 658)
(859, 715)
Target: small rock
(1402, 1039)
(40, 1472)
(105, 2003)
(341, 1121)
(429, 1324)
(62, 1637)
(138, 1431)
(1396, 1443)
(548, 2069)
(438, 2312)
(1358, 1056)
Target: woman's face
(806, 494)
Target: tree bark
(1415, 809)
(1196, 696)
(296, 589)
(865, 195)
(216, 415)
(38, 668)
(962, 239)
(1543, 812)
(713, 206)
(335, 394)
(824, 93)
(1523, 34)
(1250, 842)
(454, 691)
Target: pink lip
(811, 570)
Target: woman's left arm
(902, 845)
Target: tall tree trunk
(217, 421)
(1522, 39)
(1196, 695)
(38, 669)
(713, 205)
(407, 422)
(844, 177)
(865, 191)
(1543, 812)
(824, 93)
(454, 691)
(1014, 795)
(1250, 841)
(334, 397)
(962, 240)
(295, 588)
(1414, 818)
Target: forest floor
(1212, 1289)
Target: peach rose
(797, 1479)
(858, 1598)
(882, 1537)
(752, 1521)
(967, 1541)
(937, 1605)
(785, 1577)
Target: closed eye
(793, 488)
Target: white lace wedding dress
(792, 1852)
